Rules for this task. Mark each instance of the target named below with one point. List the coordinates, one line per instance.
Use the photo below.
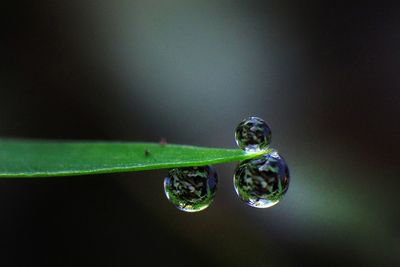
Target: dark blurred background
(324, 76)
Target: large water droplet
(253, 134)
(191, 189)
(262, 182)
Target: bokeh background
(324, 76)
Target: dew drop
(263, 181)
(191, 189)
(253, 134)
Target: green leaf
(27, 158)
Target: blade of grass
(29, 158)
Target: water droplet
(191, 189)
(253, 134)
(262, 182)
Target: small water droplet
(191, 189)
(263, 181)
(253, 134)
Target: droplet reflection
(263, 181)
(253, 134)
(191, 189)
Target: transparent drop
(263, 181)
(191, 189)
(253, 134)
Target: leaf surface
(30, 158)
